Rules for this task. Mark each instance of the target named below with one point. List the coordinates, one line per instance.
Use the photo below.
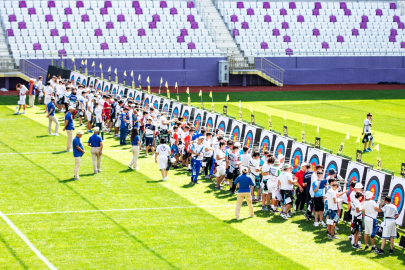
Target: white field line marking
(29, 244)
(117, 210)
(56, 152)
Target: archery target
(187, 113)
(266, 138)
(156, 102)
(73, 76)
(222, 126)
(314, 161)
(333, 162)
(166, 106)
(78, 79)
(280, 149)
(236, 131)
(249, 136)
(131, 93)
(296, 159)
(92, 81)
(210, 122)
(396, 192)
(121, 91)
(176, 110)
(106, 87)
(99, 86)
(198, 119)
(222, 123)
(355, 172)
(146, 102)
(331, 165)
(280, 146)
(374, 186)
(354, 176)
(138, 97)
(85, 79)
(315, 157)
(114, 89)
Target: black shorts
(286, 194)
(367, 137)
(233, 175)
(318, 204)
(186, 155)
(265, 189)
(357, 222)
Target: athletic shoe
(391, 252)
(294, 212)
(231, 192)
(264, 208)
(333, 237)
(23, 112)
(250, 216)
(365, 247)
(17, 112)
(50, 134)
(379, 252)
(302, 211)
(316, 224)
(129, 166)
(373, 248)
(365, 151)
(288, 215)
(336, 228)
(285, 217)
(164, 179)
(307, 217)
(76, 178)
(135, 168)
(99, 170)
(323, 224)
(356, 246)
(219, 188)
(349, 237)
(95, 172)
(89, 131)
(199, 182)
(81, 125)
(370, 150)
(56, 134)
(207, 177)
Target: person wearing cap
(245, 183)
(286, 184)
(163, 155)
(234, 166)
(149, 136)
(368, 137)
(272, 182)
(307, 182)
(124, 121)
(48, 92)
(357, 213)
(300, 190)
(31, 92)
(197, 153)
(389, 225)
(96, 144)
(78, 151)
(69, 127)
(50, 107)
(318, 203)
(370, 210)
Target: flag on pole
(187, 91)
(166, 85)
(240, 104)
(139, 77)
(161, 80)
(115, 71)
(210, 94)
(377, 147)
(347, 136)
(82, 63)
(175, 86)
(251, 108)
(358, 140)
(147, 79)
(93, 64)
(303, 121)
(227, 97)
(132, 73)
(101, 66)
(73, 59)
(109, 69)
(200, 94)
(125, 73)
(285, 116)
(85, 62)
(317, 130)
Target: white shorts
(389, 232)
(47, 99)
(41, 94)
(21, 101)
(368, 225)
(272, 186)
(117, 123)
(220, 171)
(277, 195)
(88, 116)
(163, 162)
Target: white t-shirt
(284, 177)
(23, 90)
(207, 144)
(367, 127)
(390, 211)
(245, 158)
(369, 209)
(199, 149)
(60, 89)
(161, 120)
(40, 86)
(98, 111)
(48, 91)
(357, 205)
(254, 165)
(163, 150)
(219, 154)
(329, 197)
(90, 106)
(233, 159)
(52, 83)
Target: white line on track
(118, 210)
(29, 244)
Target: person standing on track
(78, 151)
(50, 107)
(96, 144)
(69, 127)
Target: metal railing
(31, 70)
(269, 68)
(240, 63)
(7, 65)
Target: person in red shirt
(187, 148)
(107, 110)
(300, 191)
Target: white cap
(281, 156)
(368, 195)
(201, 138)
(96, 129)
(79, 132)
(358, 185)
(71, 108)
(237, 144)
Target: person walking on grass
(78, 151)
(96, 144)
(220, 165)
(50, 108)
(124, 120)
(163, 155)
(370, 210)
(286, 184)
(389, 225)
(149, 135)
(333, 218)
(245, 183)
(368, 137)
(22, 97)
(136, 147)
(69, 127)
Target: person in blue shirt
(50, 108)
(245, 183)
(136, 147)
(96, 144)
(69, 127)
(307, 182)
(318, 199)
(124, 120)
(78, 151)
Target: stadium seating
(364, 28)
(105, 29)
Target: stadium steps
(217, 28)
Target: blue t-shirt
(136, 141)
(77, 142)
(51, 106)
(68, 117)
(307, 179)
(196, 135)
(123, 123)
(95, 140)
(135, 122)
(244, 183)
(319, 192)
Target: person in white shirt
(220, 162)
(333, 218)
(60, 90)
(208, 154)
(286, 184)
(281, 158)
(370, 210)
(98, 111)
(357, 211)
(254, 171)
(368, 122)
(234, 167)
(48, 92)
(197, 152)
(89, 114)
(163, 154)
(22, 97)
(40, 88)
(389, 225)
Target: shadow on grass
(67, 180)
(12, 252)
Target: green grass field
(124, 219)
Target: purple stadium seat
(276, 32)
(135, 4)
(152, 25)
(396, 19)
(318, 5)
(401, 25)
(343, 5)
(392, 39)
(267, 18)
(103, 11)
(109, 25)
(51, 4)
(348, 12)
(107, 4)
(291, 5)
(364, 18)
(300, 18)
(235, 32)
(190, 4)
(378, 12)
(283, 12)
(234, 18)
(10, 33)
(315, 12)
(85, 18)
(138, 11)
(49, 18)
(394, 32)
(190, 18)
(156, 18)
(266, 5)
(64, 39)
(284, 25)
(287, 39)
(264, 45)
(183, 32)
(12, 18)
(332, 18)
(173, 11)
(22, 25)
(194, 25)
(288, 51)
(402, 44)
(98, 32)
(245, 25)
(37, 47)
(363, 25)
(66, 25)
(141, 32)
(32, 11)
(68, 11)
(163, 4)
(54, 32)
(79, 4)
(250, 11)
(121, 18)
(180, 39)
(104, 46)
(315, 32)
(355, 32)
(325, 45)
(340, 39)
(191, 46)
(22, 4)
(62, 53)
(393, 6)
(239, 5)
(123, 39)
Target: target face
(265, 144)
(222, 126)
(72, 78)
(296, 159)
(78, 80)
(175, 113)
(98, 87)
(248, 139)
(106, 90)
(130, 94)
(114, 92)
(84, 81)
(374, 186)
(186, 115)
(121, 93)
(314, 161)
(280, 149)
(197, 122)
(210, 124)
(354, 176)
(156, 105)
(332, 165)
(138, 99)
(235, 134)
(165, 108)
(397, 197)
(92, 82)
(146, 103)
